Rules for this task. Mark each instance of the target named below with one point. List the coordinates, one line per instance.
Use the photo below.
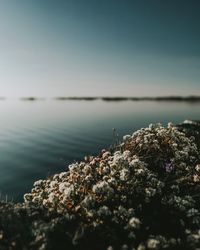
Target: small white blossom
(134, 222)
(152, 244)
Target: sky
(99, 48)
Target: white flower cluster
(116, 185)
(165, 148)
(87, 189)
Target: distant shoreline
(190, 98)
(119, 98)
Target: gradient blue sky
(99, 47)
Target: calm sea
(40, 138)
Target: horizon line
(111, 98)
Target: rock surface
(143, 194)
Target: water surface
(40, 138)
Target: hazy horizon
(99, 48)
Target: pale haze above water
(99, 48)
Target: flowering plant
(142, 194)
